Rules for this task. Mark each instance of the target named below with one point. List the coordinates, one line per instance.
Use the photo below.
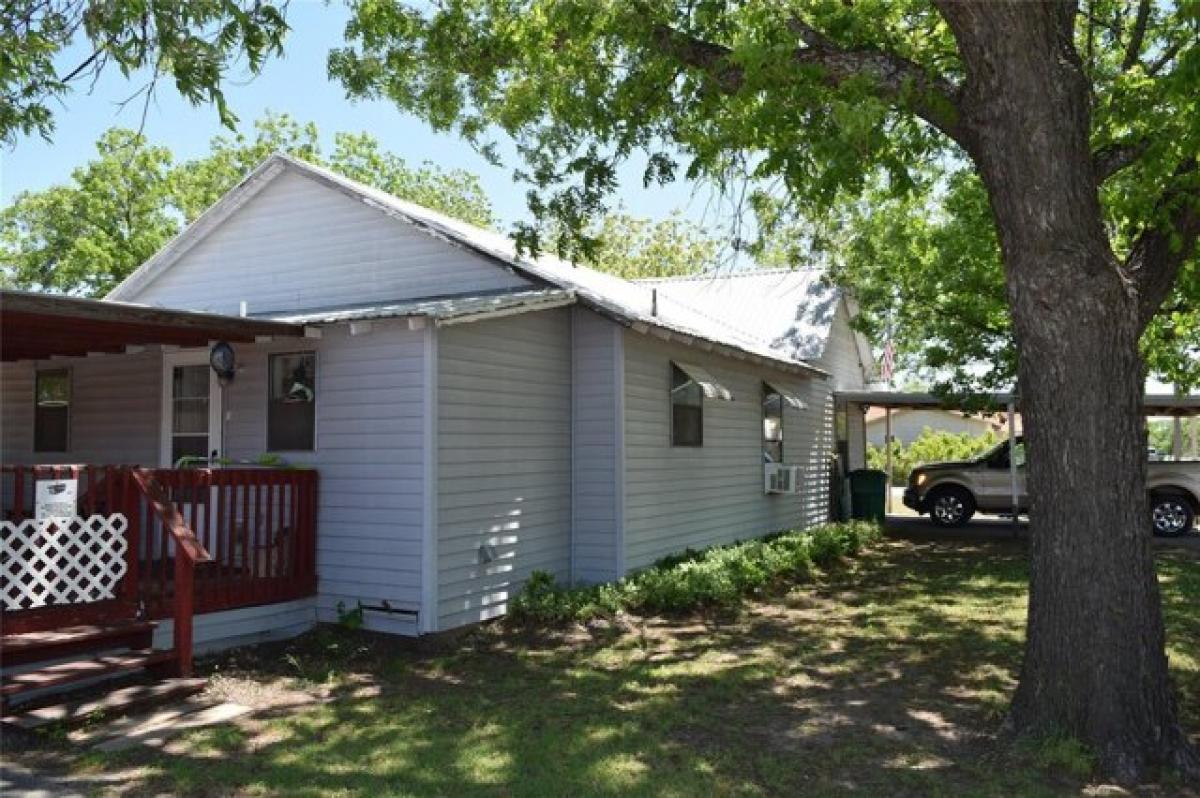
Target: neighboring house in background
(908, 423)
(473, 416)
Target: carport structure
(1153, 404)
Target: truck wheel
(1171, 515)
(951, 506)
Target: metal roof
(640, 307)
(635, 304)
(456, 309)
(792, 310)
(1155, 404)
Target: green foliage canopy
(926, 270)
(931, 446)
(801, 108)
(195, 43)
(637, 248)
(86, 236)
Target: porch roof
(37, 326)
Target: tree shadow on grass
(888, 677)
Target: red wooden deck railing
(188, 554)
(257, 525)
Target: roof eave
(692, 339)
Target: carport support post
(1177, 438)
(1012, 461)
(887, 444)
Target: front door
(191, 435)
(191, 411)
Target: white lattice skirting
(56, 562)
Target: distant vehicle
(951, 493)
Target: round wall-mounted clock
(221, 358)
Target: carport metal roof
(1156, 404)
(38, 326)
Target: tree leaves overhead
(927, 273)
(582, 85)
(797, 111)
(196, 44)
(123, 205)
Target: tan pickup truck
(953, 492)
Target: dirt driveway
(985, 529)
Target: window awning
(40, 326)
(788, 397)
(707, 382)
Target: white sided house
(452, 417)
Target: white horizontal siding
(299, 244)
(691, 497)
(369, 411)
(842, 359)
(504, 460)
(595, 343)
(114, 413)
(244, 626)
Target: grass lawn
(888, 676)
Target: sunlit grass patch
(887, 676)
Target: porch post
(183, 612)
(887, 443)
(133, 517)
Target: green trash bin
(868, 493)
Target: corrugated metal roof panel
(633, 303)
(790, 310)
(443, 309)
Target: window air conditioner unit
(781, 478)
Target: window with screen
(189, 414)
(291, 411)
(687, 409)
(772, 415)
(52, 411)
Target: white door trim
(187, 357)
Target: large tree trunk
(1094, 661)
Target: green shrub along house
(472, 416)
(716, 578)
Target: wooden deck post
(184, 610)
(131, 498)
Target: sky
(296, 84)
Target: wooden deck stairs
(67, 676)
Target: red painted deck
(252, 533)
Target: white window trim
(187, 357)
(70, 409)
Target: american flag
(887, 363)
